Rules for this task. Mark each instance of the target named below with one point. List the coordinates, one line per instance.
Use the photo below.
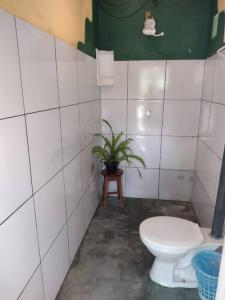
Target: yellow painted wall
(221, 5)
(64, 19)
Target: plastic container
(207, 266)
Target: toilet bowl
(174, 241)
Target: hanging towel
(105, 67)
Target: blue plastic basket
(207, 266)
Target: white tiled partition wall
(211, 139)
(50, 108)
(157, 103)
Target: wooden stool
(116, 176)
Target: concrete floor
(113, 264)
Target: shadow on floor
(113, 264)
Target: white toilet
(174, 242)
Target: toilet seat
(171, 234)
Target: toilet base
(163, 274)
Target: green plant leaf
(109, 125)
(138, 158)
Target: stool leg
(120, 192)
(105, 192)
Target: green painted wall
(118, 24)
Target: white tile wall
(86, 124)
(208, 78)
(73, 184)
(34, 290)
(50, 212)
(218, 83)
(181, 118)
(176, 185)
(147, 187)
(15, 185)
(216, 132)
(75, 230)
(115, 112)
(146, 79)
(208, 167)
(119, 89)
(148, 147)
(211, 140)
(88, 90)
(11, 101)
(204, 120)
(184, 79)
(178, 153)
(40, 158)
(67, 73)
(45, 145)
(145, 117)
(70, 132)
(38, 67)
(55, 265)
(202, 204)
(164, 132)
(18, 251)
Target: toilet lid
(171, 232)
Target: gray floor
(113, 264)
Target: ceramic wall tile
(34, 290)
(144, 117)
(146, 79)
(147, 187)
(148, 147)
(96, 117)
(200, 199)
(55, 265)
(73, 184)
(184, 85)
(88, 89)
(176, 185)
(86, 129)
(204, 119)
(181, 118)
(75, 230)
(178, 153)
(18, 239)
(87, 161)
(70, 132)
(45, 146)
(208, 167)
(87, 202)
(50, 212)
(219, 87)
(216, 133)
(15, 170)
(119, 89)
(38, 68)
(115, 112)
(11, 101)
(67, 73)
(208, 78)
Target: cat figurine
(149, 25)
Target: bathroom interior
(166, 92)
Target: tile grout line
(200, 111)
(62, 151)
(160, 159)
(30, 168)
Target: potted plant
(113, 151)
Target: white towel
(105, 67)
